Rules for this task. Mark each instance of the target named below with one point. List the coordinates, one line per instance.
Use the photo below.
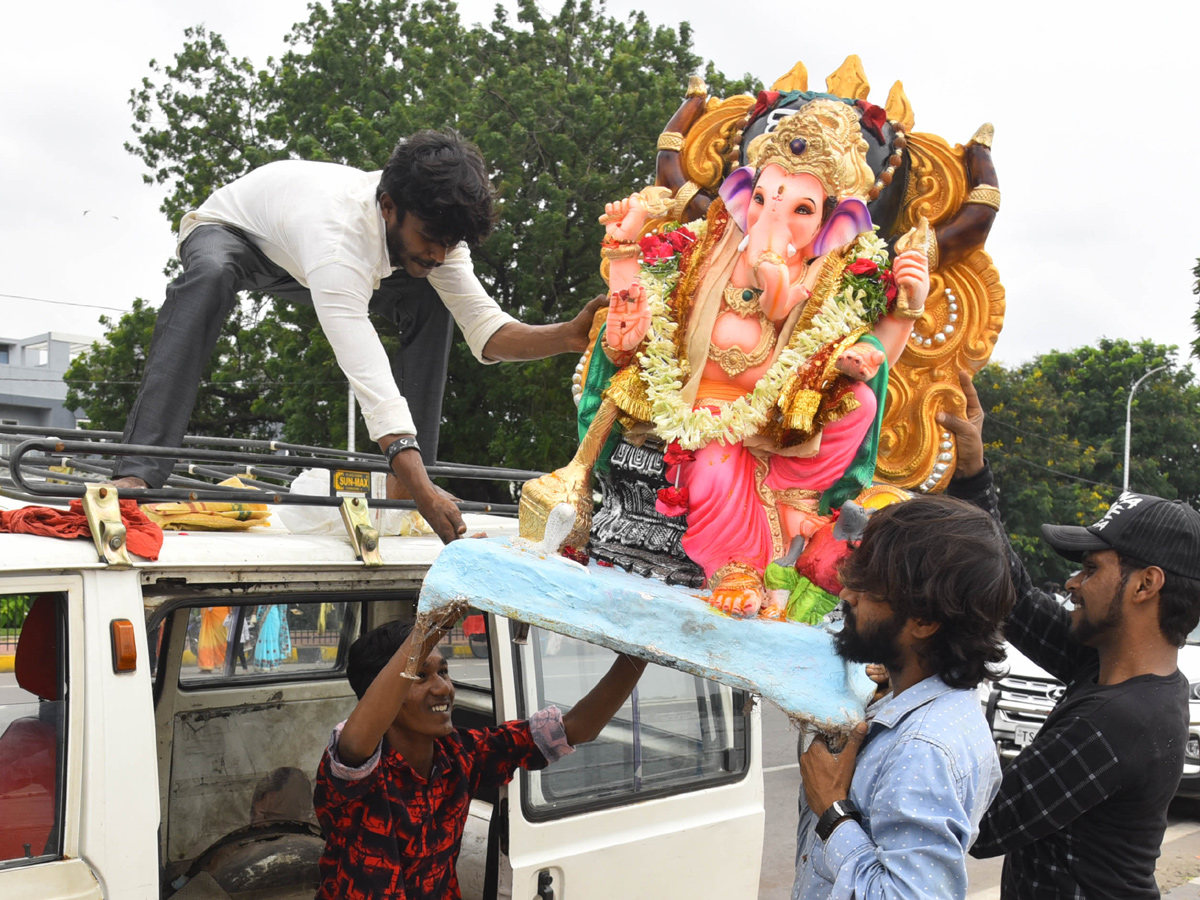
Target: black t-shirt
(1082, 810)
(1109, 758)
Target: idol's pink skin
(627, 218)
(782, 222)
(628, 317)
(860, 362)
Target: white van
(137, 765)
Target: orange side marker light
(124, 648)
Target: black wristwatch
(838, 812)
(406, 442)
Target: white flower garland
(664, 375)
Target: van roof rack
(60, 463)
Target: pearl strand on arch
(947, 329)
(577, 379)
(941, 467)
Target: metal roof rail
(283, 450)
(32, 476)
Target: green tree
(1055, 433)
(13, 610)
(234, 398)
(1196, 315)
(566, 108)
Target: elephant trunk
(772, 275)
(764, 264)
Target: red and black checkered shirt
(391, 834)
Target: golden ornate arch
(964, 312)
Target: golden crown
(823, 139)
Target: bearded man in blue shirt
(895, 812)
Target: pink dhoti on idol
(745, 505)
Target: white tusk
(791, 250)
(744, 244)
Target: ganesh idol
(755, 344)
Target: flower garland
(870, 281)
(664, 374)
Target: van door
(51, 665)
(248, 693)
(667, 802)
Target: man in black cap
(1082, 810)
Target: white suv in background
(1017, 705)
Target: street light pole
(1128, 415)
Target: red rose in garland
(675, 454)
(862, 266)
(888, 280)
(672, 501)
(680, 239)
(654, 248)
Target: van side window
(241, 746)
(266, 641)
(676, 732)
(32, 727)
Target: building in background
(32, 389)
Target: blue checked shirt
(925, 774)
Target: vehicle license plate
(1024, 735)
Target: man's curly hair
(940, 560)
(441, 179)
(372, 651)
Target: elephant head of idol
(801, 194)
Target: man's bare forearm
(587, 718)
(438, 509)
(377, 709)
(516, 341)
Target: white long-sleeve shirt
(321, 223)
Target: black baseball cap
(1158, 532)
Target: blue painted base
(792, 665)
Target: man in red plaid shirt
(396, 781)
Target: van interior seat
(36, 662)
(29, 746)
(271, 861)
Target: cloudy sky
(1095, 109)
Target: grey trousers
(218, 262)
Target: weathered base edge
(793, 666)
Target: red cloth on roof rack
(142, 536)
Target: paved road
(1179, 863)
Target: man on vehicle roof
(1082, 810)
(348, 242)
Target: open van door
(671, 791)
(52, 747)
